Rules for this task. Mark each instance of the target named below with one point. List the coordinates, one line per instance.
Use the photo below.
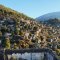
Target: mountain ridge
(49, 16)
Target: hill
(52, 19)
(20, 31)
(4, 12)
(48, 16)
(17, 29)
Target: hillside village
(24, 32)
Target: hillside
(18, 32)
(17, 29)
(5, 12)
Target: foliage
(58, 51)
(0, 33)
(9, 12)
(15, 46)
(7, 43)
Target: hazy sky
(33, 8)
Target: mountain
(48, 16)
(52, 19)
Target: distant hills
(52, 19)
(49, 16)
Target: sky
(33, 8)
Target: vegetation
(7, 12)
(18, 31)
(7, 43)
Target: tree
(0, 33)
(15, 46)
(26, 45)
(7, 43)
(58, 51)
(21, 44)
(21, 32)
(16, 30)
